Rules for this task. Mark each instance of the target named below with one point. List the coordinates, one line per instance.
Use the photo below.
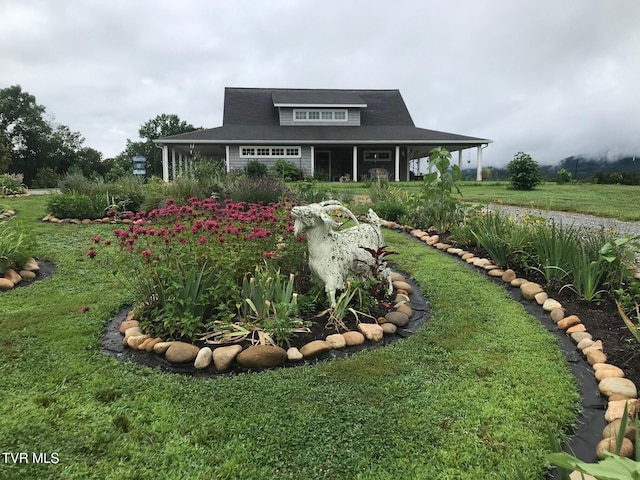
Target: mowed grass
(612, 201)
(469, 396)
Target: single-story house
(327, 133)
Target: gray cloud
(552, 79)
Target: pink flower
(95, 239)
(202, 239)
(268, 254)
(91, 253)
(85, 309)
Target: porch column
(479, 168)
(165, 163)
(173, 164)
(313, 161)
(227, 158)
(396, 176)
(355, 163)
(460, 159)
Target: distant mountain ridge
(581, 167)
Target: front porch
(328, 162)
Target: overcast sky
(547, 77)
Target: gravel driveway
(588, 221)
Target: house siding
(237, 163)
(353, 119)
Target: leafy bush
(389, 203)
(11, 184)
(46, 178)
(286, 170)
(16, 246)
(435, 198)
(524, 172)
(255, 168)
(563, 176)
(73, 205)
(263, 190)
(76, 182)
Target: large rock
(615, 409)
(11, 274)
(608, 371)
(181, 352)
(608, 444)
(161, 347)
(529, 290)
(399, 319)
(372, 331)
(203, 359)
(223, 357)
(294, 355)
(353, 338)
(550, 304)
(569, 321)
(27, 275)
(557, 314)
(613, 429)
(262, 356)
(389, 328)
(315, 348)
(6, 284)
(336, 341)
(399, 285)
(404, 307)
(623, 386)
(126, 324)
(508, 276)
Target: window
(319, 115)
(377, 155)
(269, 152)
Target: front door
(323, 165)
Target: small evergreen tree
(524, 172)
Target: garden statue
(336, 256)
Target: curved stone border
(124, 340)
(611, 383)
(27, 273)
(4, 215)
(86, 221)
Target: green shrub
(16, 246)
(11, 184)
(256, 168)
(563, 176)
(389, 203)
(46, 178)
(184, 188)
(286, 170)
(73, 205)
(261, 190)
(524, 172)
(76, 182)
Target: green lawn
(613, 201)
(470, 396)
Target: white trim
(397, 164)
(355, 164)
(269, 151)
(313, 160)
(227, 159)
(330, 142)
(165, 163)
(320, 105)
(173, 164)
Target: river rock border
(86, 221)
(124, 339)
(6, 214)
(27, 273)
(612, 385)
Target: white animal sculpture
(336, 256)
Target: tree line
(33, 144)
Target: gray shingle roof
(250, 116)
(317, 97)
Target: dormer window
(307, 115)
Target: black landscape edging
(112, 344)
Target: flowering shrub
(186, 263)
